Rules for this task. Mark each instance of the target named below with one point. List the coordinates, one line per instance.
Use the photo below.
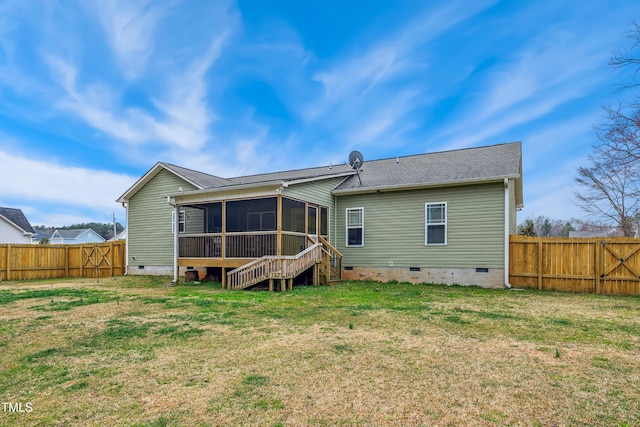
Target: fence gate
(589, 265)
(94, 258)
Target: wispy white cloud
(183, 117)
(59, 184)
(364, 86)
(553, 69)
(129, 26)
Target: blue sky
(94, 93)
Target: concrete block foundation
(486, 278)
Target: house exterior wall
(318, 192)
(10, 234)
(394, 236)
(150, 240)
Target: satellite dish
(356, 160)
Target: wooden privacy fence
(24, 262)
(589, 265)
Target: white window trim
(182, 223)
(346, 224)
(426, 225)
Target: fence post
(598, 267)
(9, 262)
(66, 261)
(539, 263)
(81, 260)
(113, 258)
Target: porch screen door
(312, 222)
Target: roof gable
(17, 218)
(198, 179)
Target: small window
(355, 227)
(436, 223)
(181, 222)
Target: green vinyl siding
(149, 221)
(394, 228)
(318, 192)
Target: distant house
(609, 232)
(440, 217)
(86, 235)
(38, 236)
(120, 236)
(14, 226)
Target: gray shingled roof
(17, 217)
(200, 179)
(480, 164)
(292, 175)
(446, 167)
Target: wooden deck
(262, 256)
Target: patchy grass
(133, 351)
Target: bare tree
(619, 133)
(610, 193)
(609, 187)
(623, 60)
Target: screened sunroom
(226, 233)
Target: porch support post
(290, 284)
(271, 285)
(283, 285)
(224, 277)
(223, 241)
(279, 225)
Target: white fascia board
(273, 185)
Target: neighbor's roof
(73, 234)
(17, 218)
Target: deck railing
(200, 246)
(333, 259)
(274, 267)
(239, 245)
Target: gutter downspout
(506, 233)
(125, 205)
(175, 239)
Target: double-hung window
(181, 222)
(436, 223)
(355, 227)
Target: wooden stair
(274, 268)
(331, 262)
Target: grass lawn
(129, 351)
